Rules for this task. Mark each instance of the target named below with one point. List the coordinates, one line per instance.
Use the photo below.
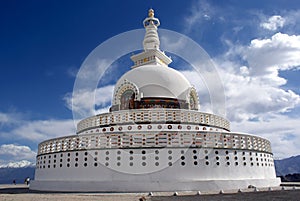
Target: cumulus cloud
(256, 100)
(249, 97)
(17, 151)
(273, 23)
(264, 59)
(10, 153)
(255, 89)
(285, 21)
(267, 56)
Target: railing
(153, 116)
(205, 139)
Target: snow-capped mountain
(17, 164)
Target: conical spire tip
(151, 13)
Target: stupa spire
(151, 40)
(151, 55)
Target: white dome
(156, 81)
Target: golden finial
(151, 13)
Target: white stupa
(154, 139)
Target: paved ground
(22, 193)
(253, 196)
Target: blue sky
(255, 46)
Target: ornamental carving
(126, 90)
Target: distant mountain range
(288, 166)
(20, 170)
(17, 171)
(8, 174)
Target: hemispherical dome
(156, 81)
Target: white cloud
(9, 119)
(16, 151)
(250, 97)
(257, 98)
(11, 153)
(244, 70)
(267, 56)
(44, 129)
(281, 130)
(29, 131)
(292, 19)
(256, 89)
(273, 23)
(259, 107)
(86, 102)
(18, 126)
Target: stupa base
(149, 186)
